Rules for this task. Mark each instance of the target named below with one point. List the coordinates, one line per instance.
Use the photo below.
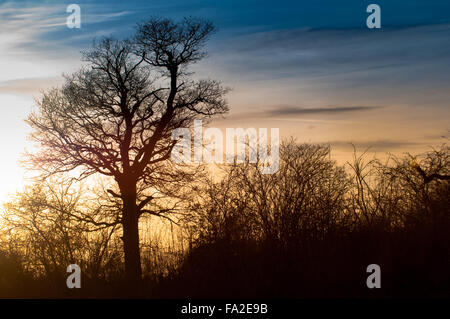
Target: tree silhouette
(116, 114)
(40, 224)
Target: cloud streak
(292, 110)
(313, 54)
(295, 113)
(377, 145)
(28, 86)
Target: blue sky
(234, 16)
(311, 68)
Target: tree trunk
(133, 271)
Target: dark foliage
(310, 230)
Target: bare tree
(304, 198)
(40, 225)
(115, 116)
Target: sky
(311, 68)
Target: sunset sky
(311, 68)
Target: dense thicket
(310, 230)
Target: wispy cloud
(295, 113)
(36, 42)
(377, 145)
(41, 27)
(316, 54)
(28, 86)
(292, 110)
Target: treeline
(308, 231)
